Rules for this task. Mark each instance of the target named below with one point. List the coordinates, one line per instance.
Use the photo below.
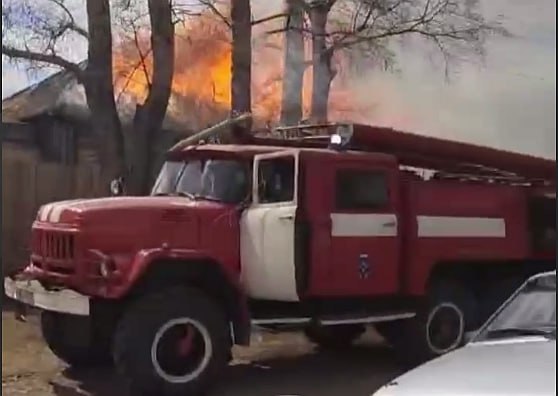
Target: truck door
(365, 231)
(267, 229)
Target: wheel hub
(186, 343)
(444, 328)
(181, 350)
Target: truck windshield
(211, 179)
(531, 311)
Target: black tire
(142, 331)
(73, 339)
(415, 340)
(333, 337)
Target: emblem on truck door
(363, 266)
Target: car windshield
(530, 311)
(212, 179)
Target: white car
(513, 354)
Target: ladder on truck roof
(450, 159)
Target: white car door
(267, 229)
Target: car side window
(361, 190)
(276, 180)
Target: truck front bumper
(31, 292)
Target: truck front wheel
(74, 339)
(172, 342)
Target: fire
(203, 73)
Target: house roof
(63, 95)
(44, 97)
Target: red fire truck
(322, 228)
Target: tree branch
(135, 68)
(440, 21)
(216, 11)
(71, 24)
(269, 18)
(44, 58)
(142, 57)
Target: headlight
(106, 268)
(106, 264)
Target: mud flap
(20, 311)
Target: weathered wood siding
(41, 163)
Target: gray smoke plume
(507, 100)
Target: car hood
(516, 367)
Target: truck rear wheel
(73, 339)
(438, 328)
(333, 337)
(173, 342)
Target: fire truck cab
(326, 233)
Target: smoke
(507, 101)
(496, 105)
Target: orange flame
(202, 73)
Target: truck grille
(53, 244)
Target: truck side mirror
(116, 187)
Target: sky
(506, 101)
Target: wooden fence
(28, 183)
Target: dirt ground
(277, 364)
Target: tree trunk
(323, 73)
(293, 75)
(98, 83)
(241, 72)
(149, 117)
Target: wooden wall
(29, 182)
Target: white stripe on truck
(43, 216)
(363, 225)
(460, 227)
(385, 225)
(56, 212)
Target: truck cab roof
(249, 151)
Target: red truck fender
(145, 257)
(235, 300)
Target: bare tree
(241, 73)
(99, 90)
(294, 64)
(216, 7)
(368, 27)
(322, 70)
(149, 116)
(240, 22)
